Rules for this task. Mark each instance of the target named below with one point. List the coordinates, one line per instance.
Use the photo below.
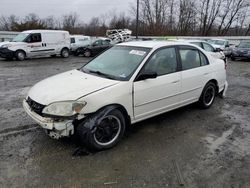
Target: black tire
(77, 52)
(208, 95)
(94, 140)
(65, 53)
(20, 55)
(87, 53)
(232, 58)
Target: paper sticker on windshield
(137, 52)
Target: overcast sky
(86, 9)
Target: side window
(72, 40)
(105, 42)
(190, 58)
(162, 62)
(197, 44)
(36, 37)
(204, 60)
(208, 47)
(98, 43)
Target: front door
(35, 46)
(155, 96)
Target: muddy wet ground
(210, 147)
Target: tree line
(156, 18)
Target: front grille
(35, 106)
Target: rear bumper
(55, 129)
(6, 53)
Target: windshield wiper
(102, 74)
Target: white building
(7, 35)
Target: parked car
(126, 84)
(35, 43)
(222, 45)
(96, 47)
(77, 42)
(209, 48)
(242, 51)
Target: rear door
(155, 96)
(195, 73)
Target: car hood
(67, 86)
(12, 43)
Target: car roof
(153, 44)
(79, 36)
(45, 31)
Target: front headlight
(66, 109)
(6, 46)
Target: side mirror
(218, 50)
(146, 75)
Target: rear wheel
(106, 134)
(208, 95)
(20, 55)
(65, 53)
(232, 58)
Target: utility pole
(137, 19)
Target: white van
(35, 43)
(77, 42)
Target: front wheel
(208, 95)
(87, 53)
(20, 55)
(108, 130)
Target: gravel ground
(211, 148)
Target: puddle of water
(240, 145)
(216, 142)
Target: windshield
(244, 45)
(20, 37)
(117, 63)
(217, 42)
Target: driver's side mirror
(218, 50)
(146, 75)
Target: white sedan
(126, 84)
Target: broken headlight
(66, 109)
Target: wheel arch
(22, 51)
(119, 107)
(216, 84)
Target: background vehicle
(35, 43)
(77, 42)
(222, 45)
(126, 84)
(96, 47)
(242, 51)
(119, 35)
(209, 49)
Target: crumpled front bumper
(6, 53)
(55, 129)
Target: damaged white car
(126, 84)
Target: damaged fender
(86, 127)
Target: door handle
(176, 81)
(206, 73)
